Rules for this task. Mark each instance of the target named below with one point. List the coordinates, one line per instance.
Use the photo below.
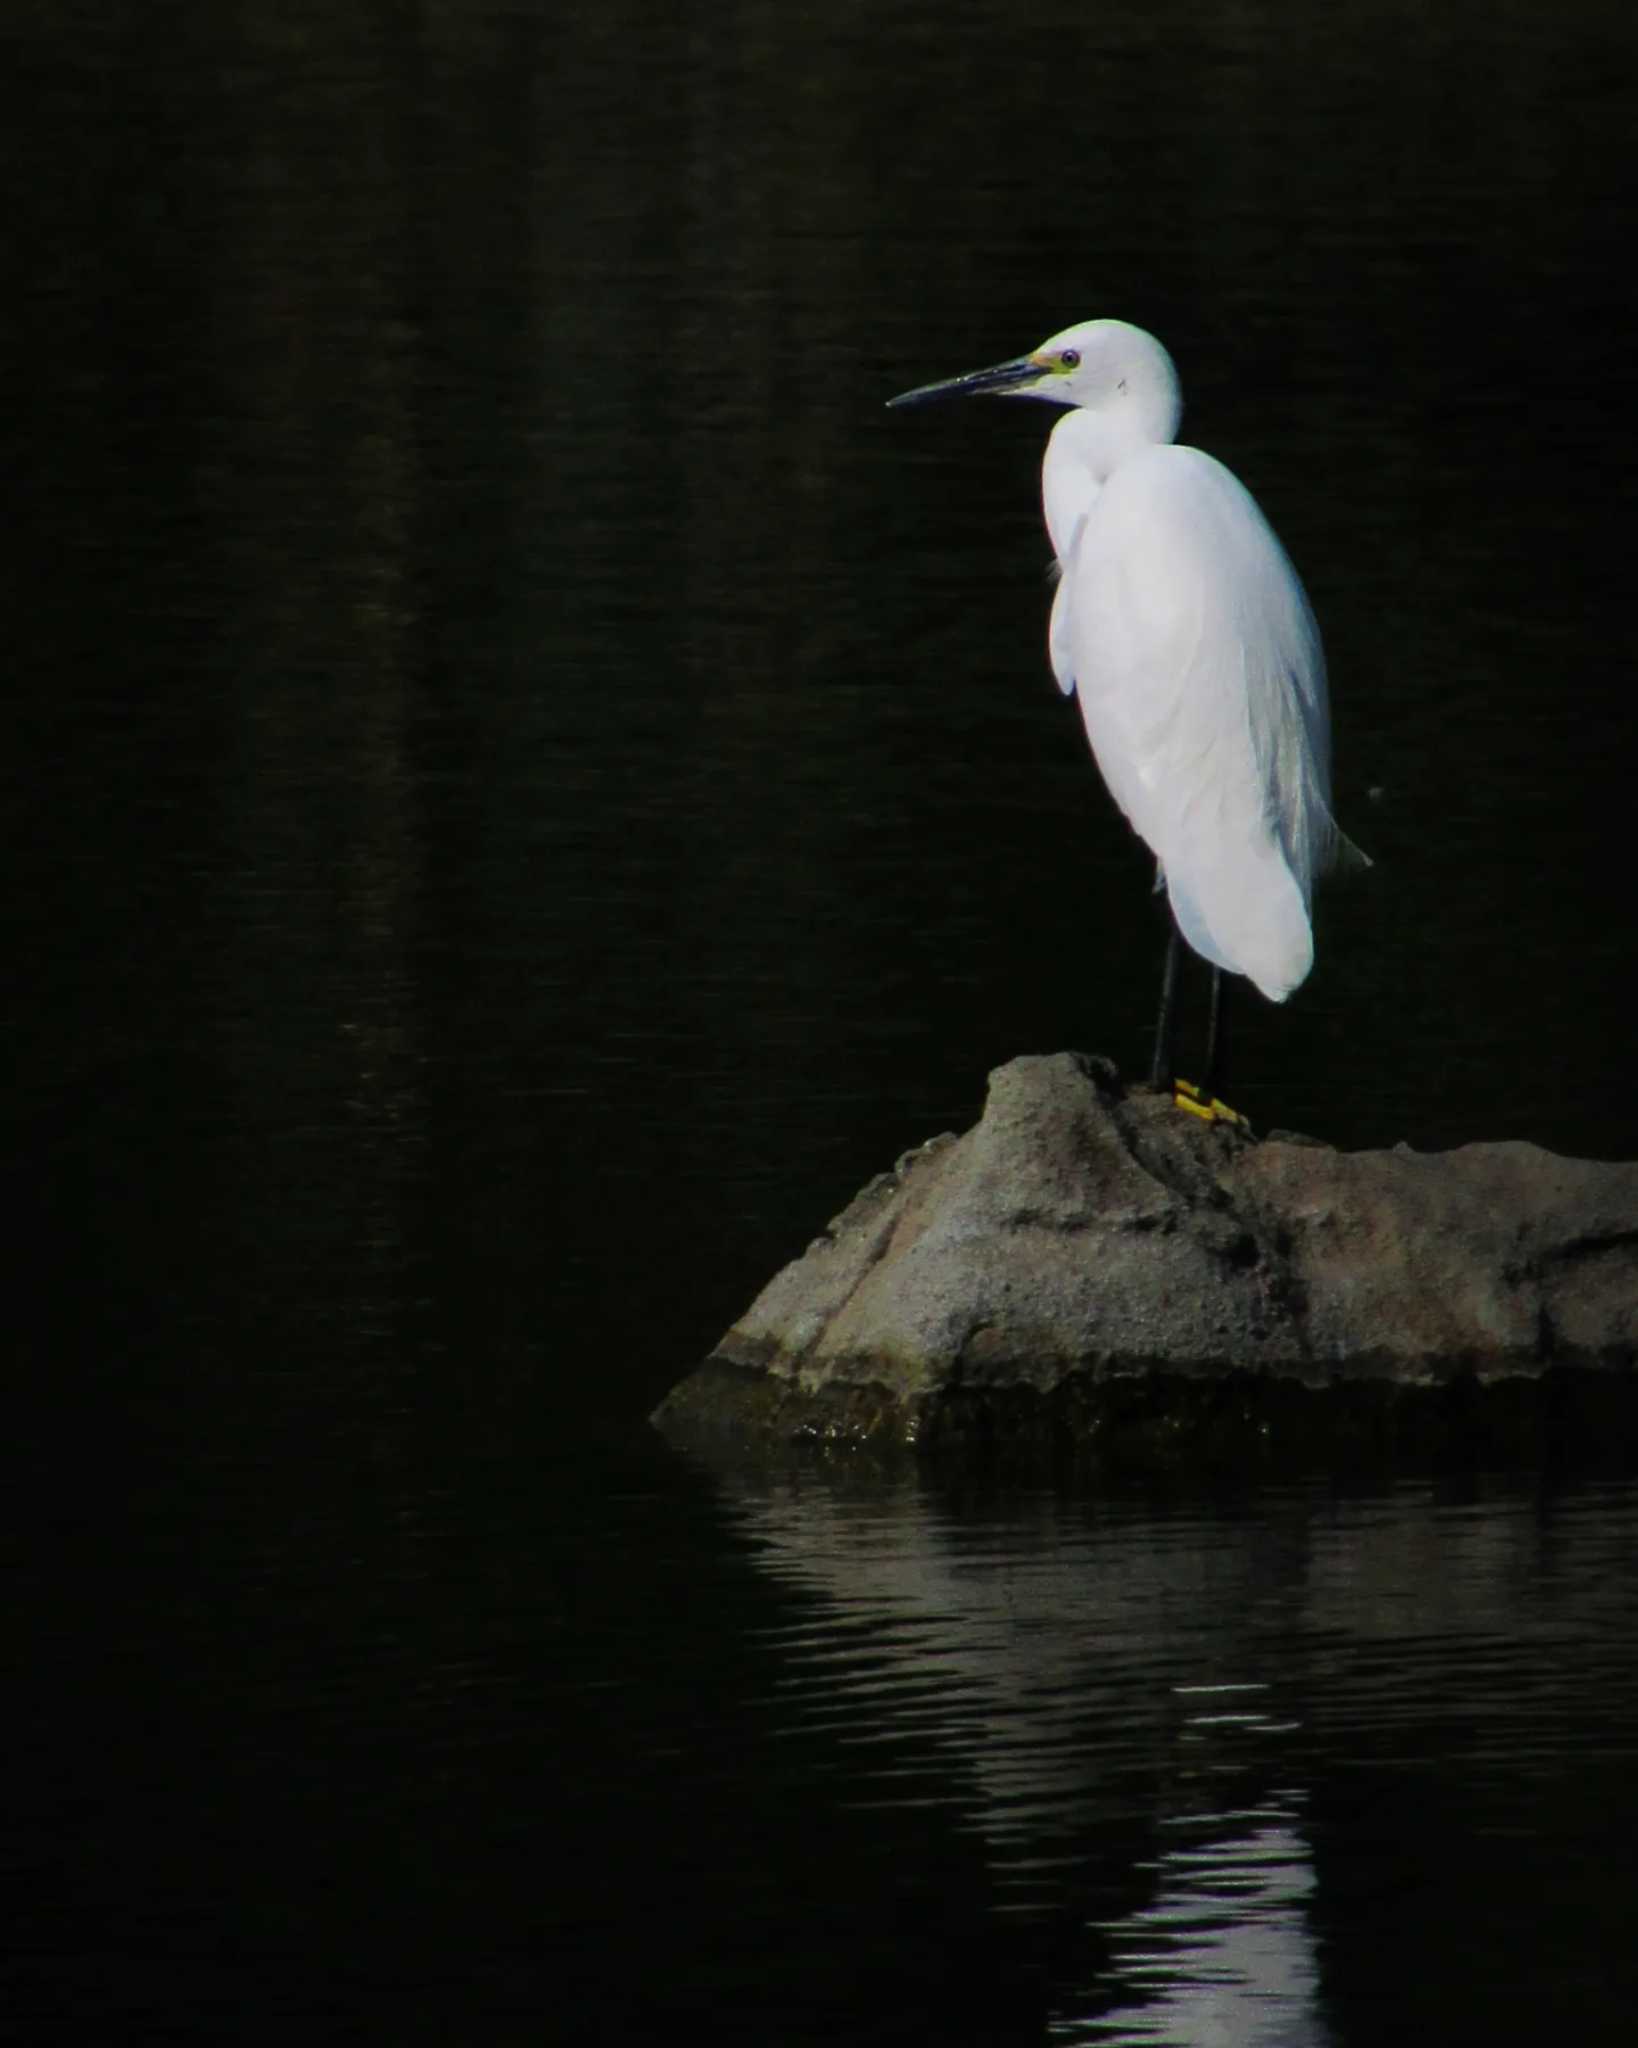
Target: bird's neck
(1099, 439)
(1082, 453)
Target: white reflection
(1222, 1957)
(1082, 1688)
(1058, 1659)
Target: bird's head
(1102, 365)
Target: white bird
(1182, 629)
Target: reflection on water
(1180, 1737)
(1224, 1953)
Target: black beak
(1001, 377)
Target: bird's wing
(1202, 684)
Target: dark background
(525, 785)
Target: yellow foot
(1185, 1095)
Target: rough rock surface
(1083, 1240)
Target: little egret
(1184, 632)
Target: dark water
(524, 786)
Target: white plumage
(1182, 629)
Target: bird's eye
(1070, 359)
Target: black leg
(1216, 1036)
(1160, 1074)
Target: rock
(1091, 1259)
